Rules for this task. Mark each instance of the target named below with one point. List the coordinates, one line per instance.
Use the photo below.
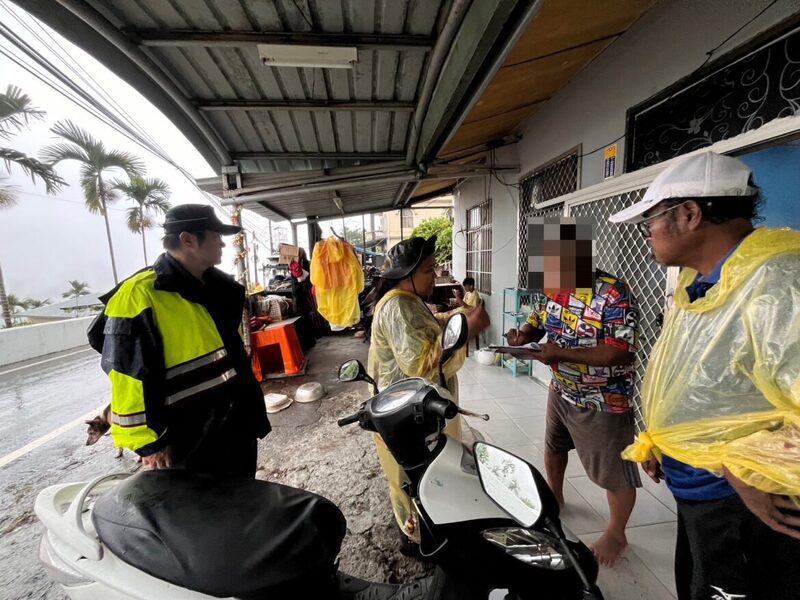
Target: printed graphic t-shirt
(585, 318)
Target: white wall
(504, 237)
(669, 42)
(31, 341)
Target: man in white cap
(721, 397)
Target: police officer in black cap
(183, 392)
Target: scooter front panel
(450, 495)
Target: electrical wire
(709, 56)
(122, 122)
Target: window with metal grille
(556, 178)
(479, 246)
(407, 218)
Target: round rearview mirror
(350, 370)
(454, 329)
(510, 483)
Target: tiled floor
(517, 409)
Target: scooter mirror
(510, 482)
(351, 370)
(454, 330)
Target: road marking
(9, 458)
(41, 362)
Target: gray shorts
(597, 437)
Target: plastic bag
(722, 387)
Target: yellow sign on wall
(610, 161)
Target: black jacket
(134, 347)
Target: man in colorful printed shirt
(591, 342)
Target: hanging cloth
(338, 279)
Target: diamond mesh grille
(623, 252)
(556, 179)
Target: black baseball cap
(196, 217)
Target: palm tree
(151, 196)
(34, 303)
(16, 302)
(76, 290)
(95, 160)
(16, 113)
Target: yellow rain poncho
(338, 279)
(722, 388)
(407, 342)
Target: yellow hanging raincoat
(407, 342)
(338, 279)
(723, 384)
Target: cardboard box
(288, 253)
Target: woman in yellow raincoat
(406, 342)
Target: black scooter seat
(223, 537)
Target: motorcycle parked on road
(487, 519)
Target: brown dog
(98, 427)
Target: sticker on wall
(610, 161)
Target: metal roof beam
(194, 37)
(323, 187)
(488, 32)
(234, 104)
(317, 155)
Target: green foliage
(442, 228)
(16, 113)
(76, 289)
(151, 198)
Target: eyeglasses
(644, 226)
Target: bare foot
(609, 548)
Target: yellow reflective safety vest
(171, 363)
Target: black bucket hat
(404, 257)
(196, 217)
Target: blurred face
(425, 276)
(560, 254)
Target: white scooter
(487, 521)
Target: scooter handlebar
(442, 408)
(347, 420)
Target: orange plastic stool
(285, 337)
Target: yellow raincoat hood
(722, 388)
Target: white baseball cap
(704, 175)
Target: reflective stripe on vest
(197, 363)
(128, 420)
(200, 387)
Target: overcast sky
(46, 241)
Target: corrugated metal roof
(227, 82)
(421, 64)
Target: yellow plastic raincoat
(338, 279)
(407, 342)
(723, 384)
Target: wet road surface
(42, 442)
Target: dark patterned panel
(741, 96)
(551, 181)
